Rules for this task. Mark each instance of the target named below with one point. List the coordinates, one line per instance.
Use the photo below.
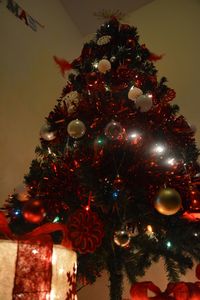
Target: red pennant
(63, 64)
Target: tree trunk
(114, 266)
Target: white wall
(172, 27)
(30, 81)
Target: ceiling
(82, 11)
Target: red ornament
(195, 200)
(92, 79)
(34, 211)
(85, 231)
(170, 95)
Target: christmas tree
(117, 164)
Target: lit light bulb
(195, 234)
(17, 212)
(134, 137)
(149, 229)
(34, 251)
(95, 64)
(171, 161)
(159, 149)
(57, 219)
(168, 244)
(115, 194)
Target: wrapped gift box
(36, 271)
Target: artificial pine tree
(117, 165)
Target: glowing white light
(133, 135)
(34, 251)
(49, 150)
(171, 161)
(195, 234)
(61, 271)
(52, 295)
(54, 259)
(150, 96)
(159, 149)
(169, 244)
(95, 64)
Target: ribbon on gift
(37, 268)
(174, 291)
(42, 232)
(139, 291)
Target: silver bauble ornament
(134, 93)
(168, 202)
(76, 129)
(104, 66)
(114, 130)
(47, 133)
(144, 102)
(122, 238)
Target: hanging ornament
(144, 102)
(47, 133)
(168, 202)
(85, 230)
(76, 129)
(103, 40)
(122, 237)
(114, 130)
(33, 211)
(104, 66)
(22, 192)
(194, 200)
(92, 79)
(134, 93)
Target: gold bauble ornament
(168, 202)
(76, 129)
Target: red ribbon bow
(39, 233)
(174, 291)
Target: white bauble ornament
(134, 93)
(104, 66)
(76, 129)
(47, 133)
(144, 102)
